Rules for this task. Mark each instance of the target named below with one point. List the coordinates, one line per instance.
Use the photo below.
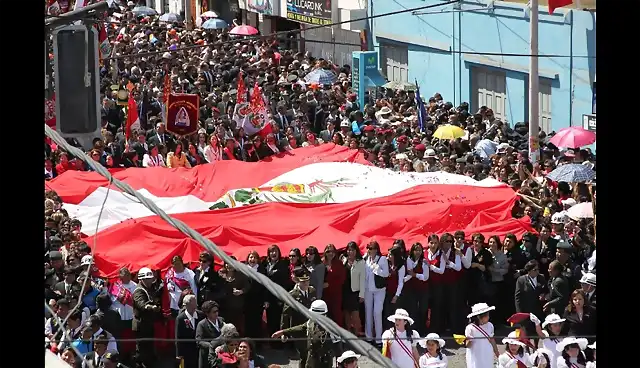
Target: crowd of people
(400, 297)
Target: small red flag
(133, 122)
(554, 4)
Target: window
(395, 62)
(489, 89)
(545, 105)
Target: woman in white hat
(592, 364)
(542, 358)
(515, 355)
(571, 353)
(348, 359)
(481, 346)
(549, 331)
(433, 357)
(400, 341)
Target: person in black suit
(93, 358)
(559, 291)
(529, 293)
(208, 281)
(547, 248)
(277, 270)
(282, 119)
(65, 286)
(588, 283)
(479, 275)
(207, 329)
(580, 317)
(160, 136)
(186, 323)
(258, 150)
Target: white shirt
(456, 265)
(175, 291)
(191, 318)
(467, 257)
(398, 353)
(376, 266)
(151, 161)
(427, 361)
(126, 311)
(212, 154)
(433, 256)
(424, 276)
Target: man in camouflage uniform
(320, 344)
(305, 295)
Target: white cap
(145, 274)
(319, 306)
(347, 355)
(430, 152)
(86, 260)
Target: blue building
(462, 51)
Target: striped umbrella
(572, 173)
(321, 76)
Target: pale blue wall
(431, 37)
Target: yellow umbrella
(449, 131)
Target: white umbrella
(209, 14)
(581, 211)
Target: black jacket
(527, 297)
(279, 274)
(559, 293)
(185, 330)
(209, 286)
(205, 334)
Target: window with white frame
(544, 94)
(489, 89)
(395, 62)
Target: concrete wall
(501, 28)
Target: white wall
(339, 54)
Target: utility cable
(330, 326)
(87, 278)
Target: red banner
(182, 113)
(50, 112)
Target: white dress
(561, 363)
(427, 361)
(402, 355)
(550, 345)
(480, 354)
(511, 361)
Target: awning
(374, 79)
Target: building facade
(477, 52)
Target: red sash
(180, 283)
(482, 331)
(405, 349)
(121, 293)
(520, 364)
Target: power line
(327, 324)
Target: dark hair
(330, 247)
(208, 306)
(374, 244)
(434, 238)
(581, 359)
(520, 349)
(353, 245)
(312, 250)
(414, 247)
(276, 248)
(255, 253)
(537, 360)
(496, 239)
(478, 236)
(347, 362)
(298, 255)
(103, 301)
(403, 247)
(532, 264)
(206, 257)
(398, 260)
(459, 233)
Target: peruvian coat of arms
(318, 191)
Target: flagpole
(534, 101)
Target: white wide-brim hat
(400, 314)
(347, 355)
(592, 346)
(587, 278)
(513, 339)
(539, 354)
(432, 337)
(480, 308)
(582, 343)
(551, 319)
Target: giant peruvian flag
(310, 196)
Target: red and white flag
(555, 4)
(312, 195)
(133, 121)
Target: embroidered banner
(182, 113)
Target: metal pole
(534, 101)
(187, 14)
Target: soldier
(305, 295)
(571, 271)
(320, 344)
(145, 313)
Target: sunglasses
(292, 255)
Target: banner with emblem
(50, 112)
(182, 113)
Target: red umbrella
(573, 137)
(243, 30)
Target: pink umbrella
(243, 30)
(573, 137)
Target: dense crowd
(392, 293)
